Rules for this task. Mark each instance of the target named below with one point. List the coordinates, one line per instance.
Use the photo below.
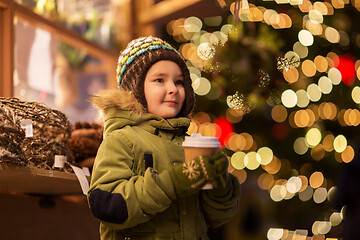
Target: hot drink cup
(197, 145)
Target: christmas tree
(278, 83)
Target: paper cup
(197, 145)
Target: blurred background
(276, 81)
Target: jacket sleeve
(221, 205)
(118, 197)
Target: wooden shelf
(37, 181)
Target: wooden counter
(37, 181)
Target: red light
(226, 129)
(346, 66)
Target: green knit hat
(137, 58)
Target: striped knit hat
(137, 58)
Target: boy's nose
(172, 89)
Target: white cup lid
(198, 140)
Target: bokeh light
(300, 146)
(316, 179)
(289, 98)
(313, 137)
(302, 98)
(306, 38)
(340, 143)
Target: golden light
(279, 113)
(304, 183)
(227, 28)
(236, 142)
(300, 49)
(314, 28)
(318, 152)
(354, 117)
(205, 51)
(302, 98)
(335, 219)
(308, 67)
(358, 71)
(291, 75)
(278, 193)
(334, 75)
(320, 195)
(316, 179)
(275, 233)
(327, 110)
(315, 109)
(314, 92)
(188, 50)
(234, 115)
(321, 7)
(348, 154)
(321, 63)
(256, 15)
(301, 118)
(201, 86)
(270, 14)
(338, 3)
(328, 142)
(296, 2)
(346, 117)
(192, 24)
(218, 37)
(316, 16)
(284, 21)
(192, 128)
(266, 181)
(237, 160)
(305, 38)
(306, 6)
(330, 9)
(332, 35)
(266, 155)
(273, 167)
(249, 141)
(241, 174)
(321, 227)
(209, 129)
(340, 143)
(252, 160)
(355, 94)
(340, 117)
(293, 185)
(325, 85)
(307, 194)
(300, 146)
(289, 98)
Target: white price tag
(59, 161)
(26, 124)
(82, 179)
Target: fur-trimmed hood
(120, 108)
(117, 98)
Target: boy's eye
(179, 82)
(159, 80)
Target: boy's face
(164, 89)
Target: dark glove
(190, 177)
(221, 164)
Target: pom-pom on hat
(137, 58)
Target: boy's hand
(220, 161)
(190, 177)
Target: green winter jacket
(132, 194)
